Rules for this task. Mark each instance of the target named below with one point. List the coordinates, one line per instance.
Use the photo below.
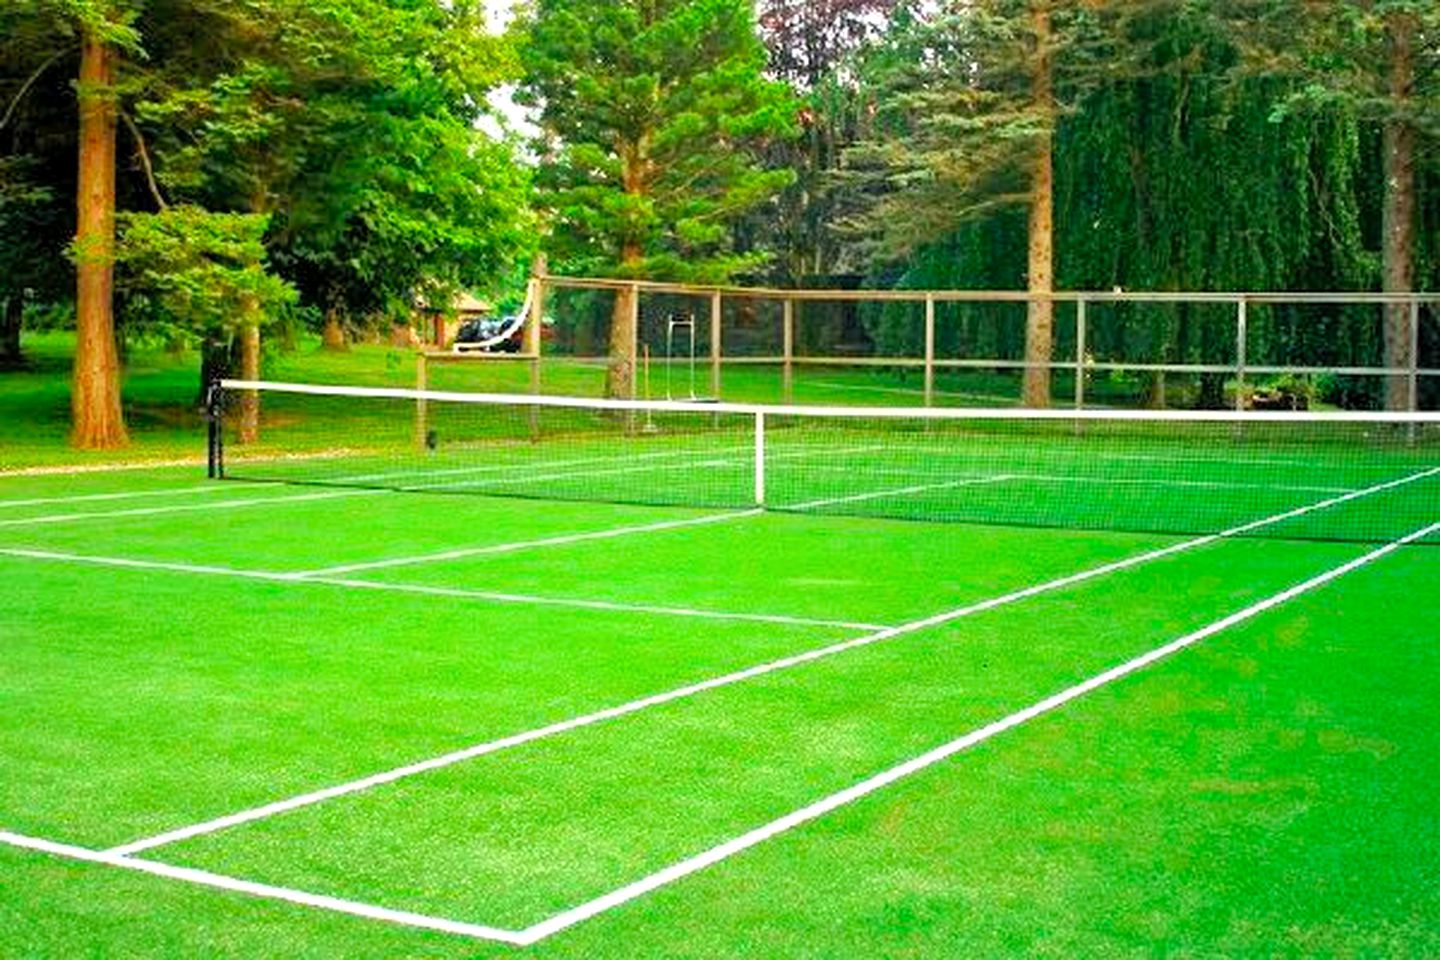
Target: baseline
(118, 495)
(264, 891)
(189, 507)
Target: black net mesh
(1304, 476)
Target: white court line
(189, 507)
(80, 469)
(731, 451)
(556, 541)
(1104, 481)
(677, 871)
(1079, 452)
(264, 891)
(566, 539)
(725, 680)
(86, 497)
(880, 781)
(702, 461)
(897, 492)
(424, 590)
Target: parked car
(478, 335)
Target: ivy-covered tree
(971, 92)
(652, 114)
(1378, 60)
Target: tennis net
(1364, 477)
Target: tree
(37, 175)
(652, 115)
(814, 46)
(343, 127)
(1376, 59)
(970, 96)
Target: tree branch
(144, 156)
(30, 82)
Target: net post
(215, 438)
(1241, 325)
(715, 315)
(534, 338)
(929, 350)
(1080, 347)
(788, 356)
(422, 414)
(759, 458)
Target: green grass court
(334, 719)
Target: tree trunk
(97, 422)
(1400, 206)
(12, 309)
(1040, 318)
(332, 335)
(249, 428)
(620, 374)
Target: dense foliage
(323, 162)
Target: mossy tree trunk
(96, 418)
(1040, 318)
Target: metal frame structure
(1081, 365)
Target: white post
(1241, 324)
(716, 312)
(929, 350)
(788, 346)
(760, 458)
(1414, 372)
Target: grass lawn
(332, 719)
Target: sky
(498, 14)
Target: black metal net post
(215, 426)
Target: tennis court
(694, 680)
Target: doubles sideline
(739, 676)
(684, 868)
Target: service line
(24, 553)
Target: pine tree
(652, 114)
(969, 96)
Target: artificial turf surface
(1265, 793)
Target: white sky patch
(511, 119)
